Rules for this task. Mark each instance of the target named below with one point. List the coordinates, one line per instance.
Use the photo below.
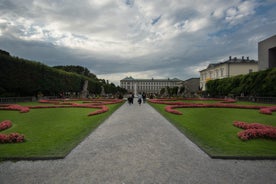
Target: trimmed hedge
(260, 83)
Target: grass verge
(212, 130)
(50, 133)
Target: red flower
(102, 110)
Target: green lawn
(51, 132)
(212, 130)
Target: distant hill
(21, 77)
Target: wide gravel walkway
(137, 145)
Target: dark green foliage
(4, 52)
(20, 77)
(261, 83)
(77, 69)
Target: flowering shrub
(255, 130)
(255, 133)
(15, 107)
(170, 101)
(268, 110)
(170, 109)
(102, 110)
(225, 103)
(5, 124)
(11, 137)
(244, 125)
(94, 103)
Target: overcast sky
(138, 38)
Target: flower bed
(268, 110)
(11, 137)
(223, 104)
(170, 101)
(15, 107)
(170, 109)
(5, 124)
(255, 130)
(102, 110)
(95, 103)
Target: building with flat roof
(267, 53)
(147, 85)
(229, 68)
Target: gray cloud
(142, 38)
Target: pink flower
(12, 138)
(268, 110)
(5, 124)
(255, 130)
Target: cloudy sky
(138, 38)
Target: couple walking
(141, 97)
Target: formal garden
(224, 128)
(49, 129)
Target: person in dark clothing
(130, 99)
(139, 99)
(144, 97)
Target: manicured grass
(51, 132)
(212, 130)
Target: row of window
(149, 83)
(146, 88)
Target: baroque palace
(136, 86)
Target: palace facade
(148, 85)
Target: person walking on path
(139, 98)
(130, 99)
(144, 97)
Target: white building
(147, 85)
(229, 68)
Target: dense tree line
(21, 77)
(77, 69)
(262, 84)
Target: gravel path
(137, 145)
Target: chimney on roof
(230, 58)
